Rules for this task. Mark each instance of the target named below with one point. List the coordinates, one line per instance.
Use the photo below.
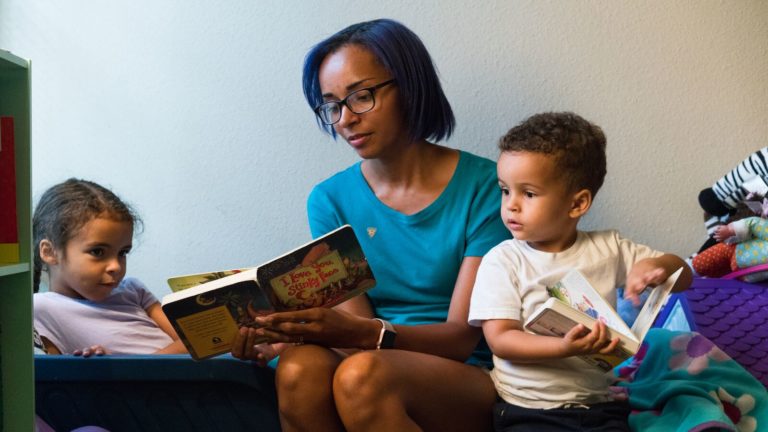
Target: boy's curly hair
(578, 146)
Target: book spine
(9, 232)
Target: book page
(178, 283)
(653, 305)
(576, 291)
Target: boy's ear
(582, 201)
(48, 252)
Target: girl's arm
(158, 316)
(507, 340)
(93, 350)
(50, 348)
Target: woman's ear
(582, 201)
(48, 252)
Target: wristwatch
(387, 335)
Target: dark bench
(161, 393)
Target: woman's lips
(357, 140)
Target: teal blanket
(681, 381)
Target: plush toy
(721, 202)
(751, 175)
(742, 244)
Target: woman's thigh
(436, 393)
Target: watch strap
(386, 336)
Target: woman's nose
(347, 117)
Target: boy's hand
(92, 350)
(580, 340)
(642, 275)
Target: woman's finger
(272, 336)
(239, 343)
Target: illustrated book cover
(9, 229)
(321, 273)
(573, 300)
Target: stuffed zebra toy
(751, 175)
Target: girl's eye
(125, 252)
(529, 194)
(504, 191)
(97, 252)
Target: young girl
(82, 235)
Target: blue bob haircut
(427, 113)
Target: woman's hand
(333, 328)
(96, 350)
(247, 345)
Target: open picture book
(211, 307)
(573, 300)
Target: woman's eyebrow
(350, 87)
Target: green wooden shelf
(17, 407)
(11, 269)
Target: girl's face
(375, 133)
(93, 262)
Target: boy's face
(536, 204)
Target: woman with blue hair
(401, 357)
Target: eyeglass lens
(358, 102)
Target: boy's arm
(654, 271)
(507, 340)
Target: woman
(425, 215)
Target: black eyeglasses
(359, 101)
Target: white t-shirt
(119, 323)
(511, 283)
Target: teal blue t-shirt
(415, 258)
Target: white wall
(193, 111)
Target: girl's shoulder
(132, 283)
(132, 291)
(131, 287)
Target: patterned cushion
(734, 315)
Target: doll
(741, 244)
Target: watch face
(388, 341)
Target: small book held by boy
(574, 301)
